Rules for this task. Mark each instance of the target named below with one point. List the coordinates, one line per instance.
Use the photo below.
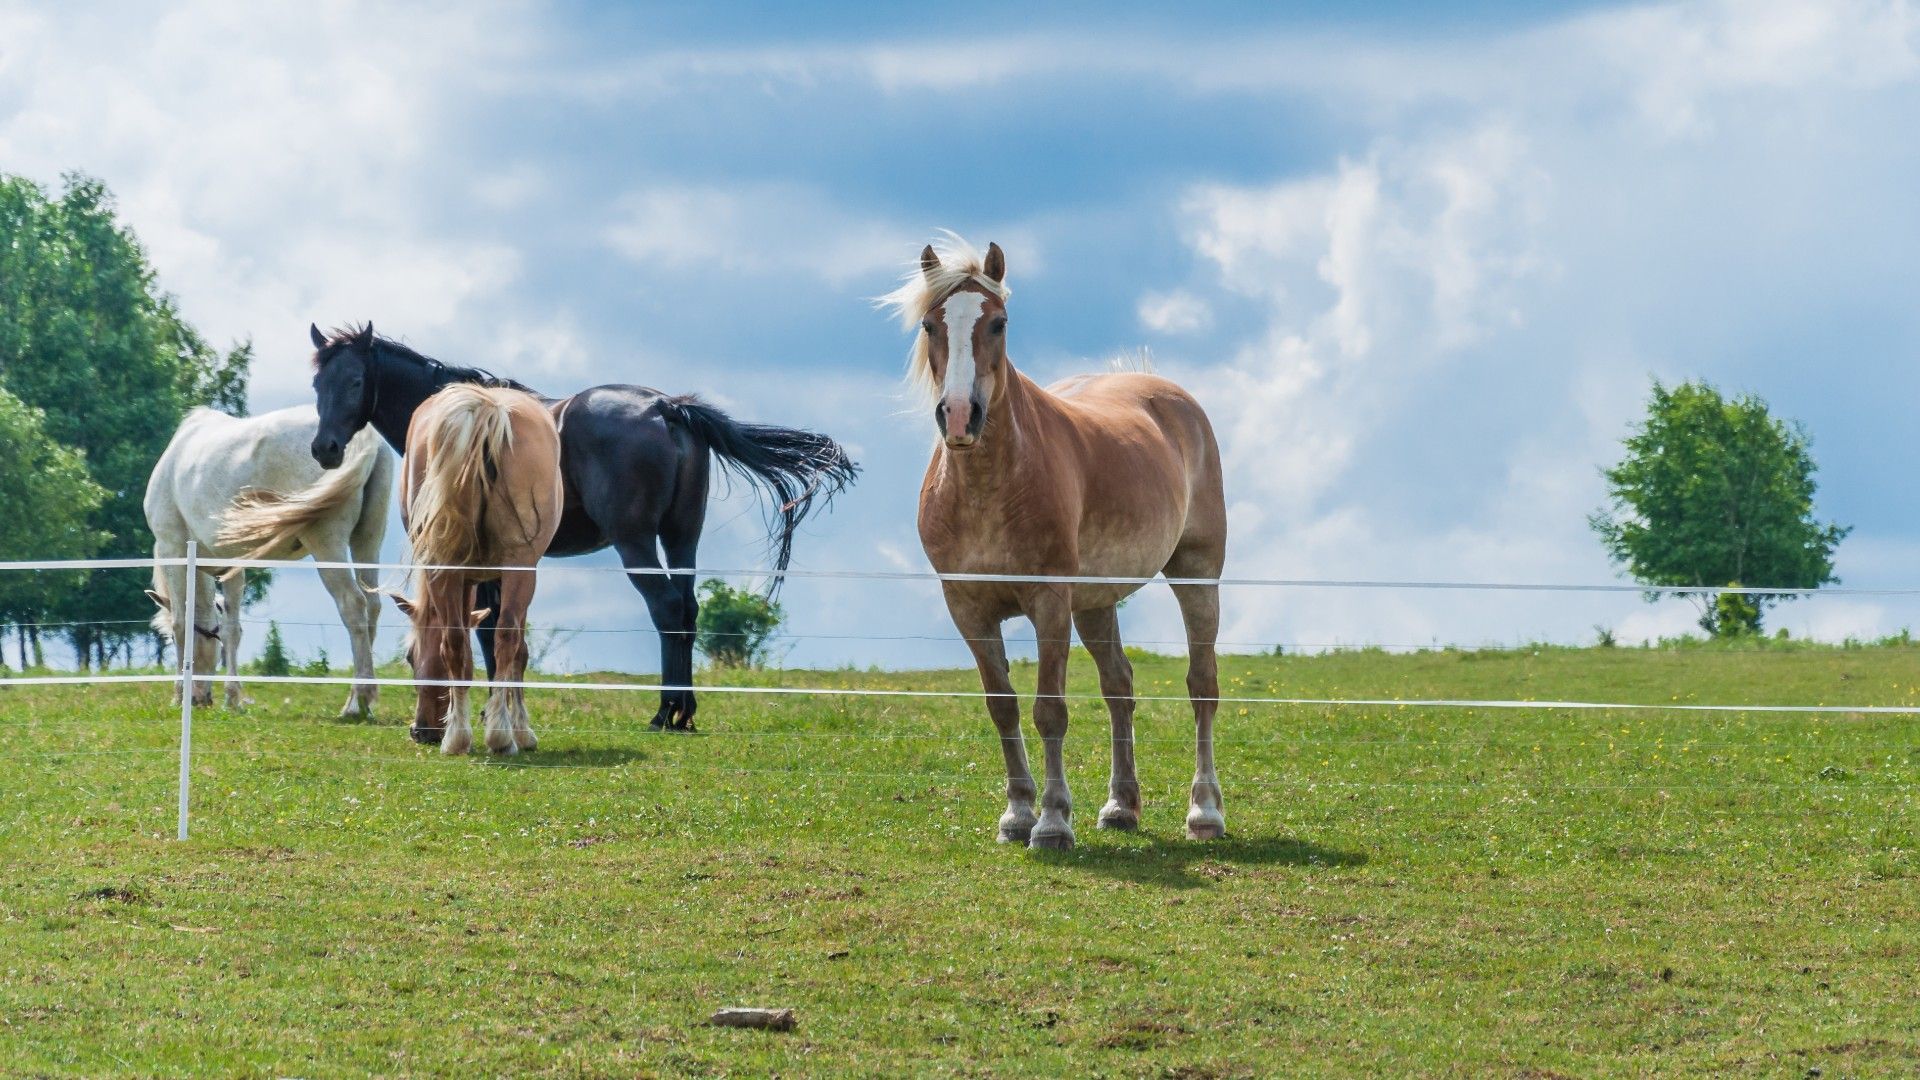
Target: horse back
(1144, 426)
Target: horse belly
(1120, 555)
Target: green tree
(88, 337)
(48, 498)
(273, 657)
(735, 625)
(1713, 492)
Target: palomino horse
(1113, 475)
(635, 462)
(247, 488)
(481, 489)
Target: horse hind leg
(458, 737)
(234, 592)
(508, 729)
(666, 602)
(1100, 633)
(1200, 610)
(350, 600)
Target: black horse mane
(443, 372)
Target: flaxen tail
(263, 523)
(470, 430)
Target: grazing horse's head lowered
(960, 355)
(344, 389)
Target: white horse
(249, 488)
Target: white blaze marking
(962, 311)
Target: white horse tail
(262, 523)
(470, 430)
(162, 623)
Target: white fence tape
(868, 692)
(1024, 579)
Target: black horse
(635, 464)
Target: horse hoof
(1117, 816)
(1015, 830)
(1052, 841)
(1204, 824)
(425, 736)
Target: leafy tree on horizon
(1717, 492)
(88, 337)
(49, 497)
(274, 659)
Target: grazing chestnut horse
(481, 488)
(1111, 475)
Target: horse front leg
(990, 656)
(1050, 608)
(486, 599)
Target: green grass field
(1529, 892)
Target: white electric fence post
(185, 639)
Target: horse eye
(999, 325)
(927, 325)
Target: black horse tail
(793, 467)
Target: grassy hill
(1532, 891)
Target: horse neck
(400, 389)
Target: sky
(1419, 267)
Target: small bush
(316, 667)
(1603, 636)
(734, 625)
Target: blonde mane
(960, 264)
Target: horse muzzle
(960, 429)
(328, 452)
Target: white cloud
(1175, 312)
(274, 160)
(765, 228)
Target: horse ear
(364, 338)
(477, 617)
(405, 605)
(159, 601)
(996, 266)
(319, 339)
(929, 262)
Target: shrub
(735, 625)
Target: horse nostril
(940, 415)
